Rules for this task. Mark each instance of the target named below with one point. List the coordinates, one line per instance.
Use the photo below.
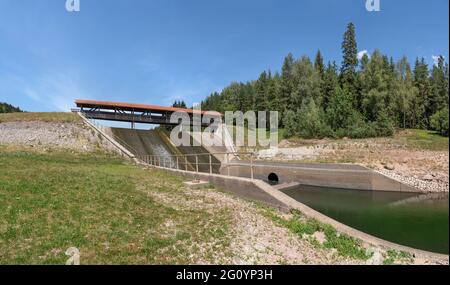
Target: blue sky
(158, 51)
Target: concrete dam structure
(156, 144)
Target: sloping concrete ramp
(157, 143)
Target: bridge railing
(199, 162)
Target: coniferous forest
(367, 97)
(7, 108)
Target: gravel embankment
(42, 135)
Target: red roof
(133, 107)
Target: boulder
(428, 177)
(389, 166)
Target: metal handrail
(159, 161)
(121, 141)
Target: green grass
(393, 256)
(44, 117)
(304, 227)
(102, 206)
(413, 139)
(426, 140)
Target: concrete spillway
(145, 142)
(157, 143)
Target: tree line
(364, 97)
(7, 108)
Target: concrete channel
(345, 176)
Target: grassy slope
(422, 139)
(44, 117)
(99, 205)
(412, 139)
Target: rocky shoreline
(431, 185)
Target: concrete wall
(254, 190)
(324, 175)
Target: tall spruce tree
(330, 83)
(319, 65)
(286, 84)
(349, 62)
(260, 101)
(439, 86)
(421, 81)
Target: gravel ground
(255, 239)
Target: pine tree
(260, 100)
(349, 62)
(421, 81)
(319, 65)
(7, 108)
(286, 82)
(330, 83)
(438, 98)
(364, 62)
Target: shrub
(360, 128)
(384, 125)
(310, 122)
(290, 124)
(439, 122)
(339, 110)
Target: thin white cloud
(435, 59)
(362, 53)
(59, 91)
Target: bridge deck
(134, 113)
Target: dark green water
(417, 221)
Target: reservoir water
(418, 221)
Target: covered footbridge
(135, 113)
